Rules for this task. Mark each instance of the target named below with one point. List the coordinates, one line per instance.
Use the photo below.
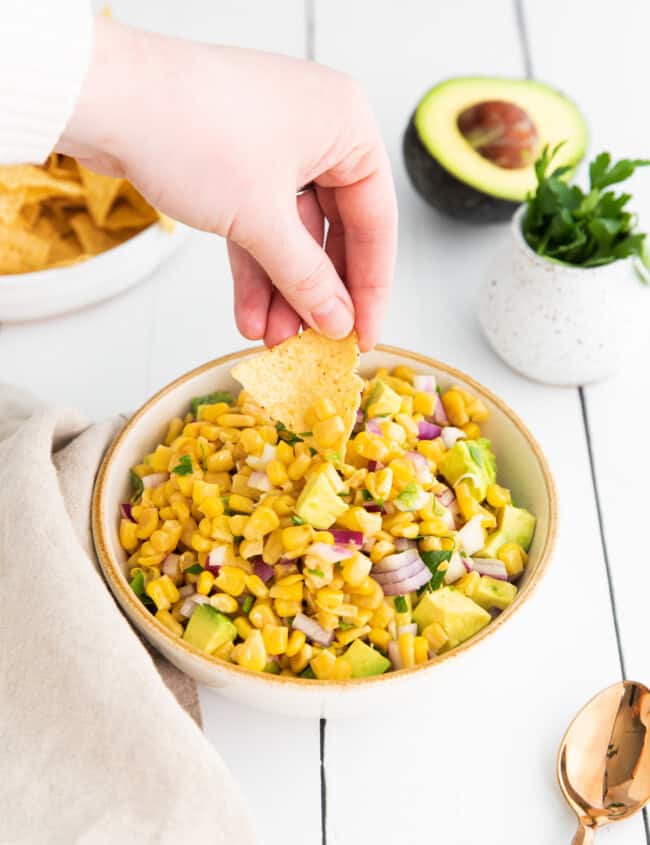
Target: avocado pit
(501, 132)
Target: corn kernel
(251, 654)
(407, 649)
(498, 496)
(370, 446)
(157, 593)
(296, 536)
(455, 407)
(355, 569)
(328, 432)
(472, 430)
(242, 624)
(284, 453)
(382, 616)
(205, 582)
(224, 602)
(261, 614)
(299, 466)
(262, 522)
(251, 441)
(298, 662)
(230, 580)
(379, 637)
(420, 650)
(169, 622)
(221, 461)
(351, 634)
(236, 421)
(241, 504)
(275, 638)
(296, 641)
(425, 403)
(323, 664)
(329, 599)
(277, 473)
(128, 535)
(514, 558)
(285, 608)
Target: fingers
(368, 211)
(252, 292)
(283, 322)
(335, 246)
(304, 275)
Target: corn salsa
(265, 548)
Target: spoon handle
(584, 836)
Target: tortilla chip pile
(288, 379)
(61, 213)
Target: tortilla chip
(21, 251)
(288, 379)
(11, 203)
(93, 240)
(29, 214)
(62, 167)
(101, 193)
(36, 182)
(124, 216)
(65, 250)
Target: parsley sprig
(584, 229)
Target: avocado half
(457, 173)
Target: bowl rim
(148, 622)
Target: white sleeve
(45, 49)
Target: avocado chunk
(490, 592)
(382, 400)
(471, 143)
(208, 629)
(365, 661)
(459, 616)
(319, 504)
(514, 525)
(472, 461)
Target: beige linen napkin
(93, 746)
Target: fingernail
(334, 319)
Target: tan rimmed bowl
(522, 467)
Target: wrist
(96, 126)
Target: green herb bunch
(584, 229)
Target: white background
(485, 771)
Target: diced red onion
(259, 481)
(454, 511)
(186, 590)
(372, 427)
(422, 471)
(490, 566)
(389, 508)
(372, 466)
(428, 430)
(260, 462)
(402, 544)
(494, 612)
(340, 535)
(154, 479)
(127, 508)
(262, 570)
(468, 563)
(471, 536)
(399, 575)
(371, 507)
(216, 559)
(450, 434)
(311, 629)
(393, 654)
(425, 382)
(440, 415)
(393, 562)
(411, 628)
(455, 570)
(190, 603)
(171, 566)
(400, 588)
(446, 498)
(330, 553)
(359, 417)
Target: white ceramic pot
(556, 323)
(432, 687)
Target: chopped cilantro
(280, 426)
(194, 569)
(335, 457)
(367, 495)
(400, 604)
(307, 673)
(136, 485)
(211, 399)
(317, 572)
(432, 561)
(137, 583)
(306, 434)
(184, 466)
(312, 451)
(345, 626)
(297, 520)
(247, 604)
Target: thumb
(300, 269)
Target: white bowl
(522, 467)
(45, 293)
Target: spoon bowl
(603, 765)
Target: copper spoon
(603, 765)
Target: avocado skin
(444, 191)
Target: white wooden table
(486, 773)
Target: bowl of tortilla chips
(284, 381)
(70, 237)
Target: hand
(221, 138)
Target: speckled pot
(559, 324)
